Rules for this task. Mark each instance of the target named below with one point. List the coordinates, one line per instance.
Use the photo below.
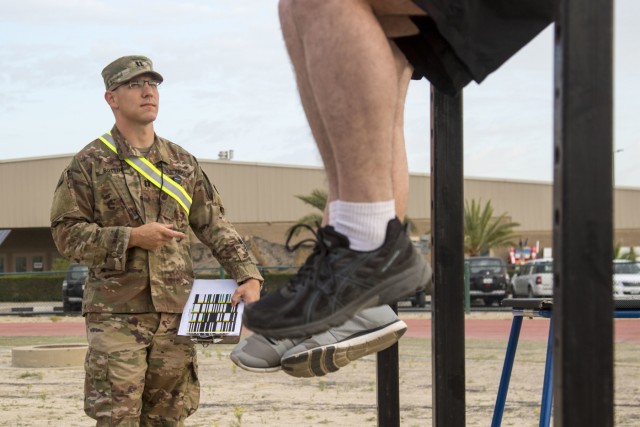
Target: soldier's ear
(111, 99)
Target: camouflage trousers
(139, 372)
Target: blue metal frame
(547, 385)
(506, 371)
(546, 405)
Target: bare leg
(400, 168)
(351, 71)
(295, 48)
(393, 174)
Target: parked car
(488, 279)
(73, 287)
(534, 279)
(626, 277)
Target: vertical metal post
(583, 204)
(447, 311)
(388, 381)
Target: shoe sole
(387, 292)
(254, 369)
(329, 358)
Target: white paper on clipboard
(208, 317)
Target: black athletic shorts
(464, 40)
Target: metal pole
(389, 385)
(546, 405)
(507, 368)
(582, 216)
(447, 312)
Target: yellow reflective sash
(153, 174)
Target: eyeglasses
(139, 84)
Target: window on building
(20, 263)
(2, 270)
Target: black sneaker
(336, 282)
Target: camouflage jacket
(100, 197)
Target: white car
(533, 279)
(626, 278)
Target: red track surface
(626, 330)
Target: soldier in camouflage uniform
(132, 235)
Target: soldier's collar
(156, 152)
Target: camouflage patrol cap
(126, 68)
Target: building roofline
(310, 167)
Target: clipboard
(208, 316)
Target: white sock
(365, 224)
(332, 212)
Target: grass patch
(34, 375)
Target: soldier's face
(138, 105)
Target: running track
(626, 330)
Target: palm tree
(317, 199)
(481, 233)
(617, 253)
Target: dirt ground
(233, 397)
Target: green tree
(60, 264)
(317, 199)
(481, 232)
(617, 253)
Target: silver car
(626, 278)
(534, 279)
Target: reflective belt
(153, 174)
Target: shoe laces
(316, 263)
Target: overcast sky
(229, 86)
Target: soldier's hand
(153, 236)
(249, 292)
